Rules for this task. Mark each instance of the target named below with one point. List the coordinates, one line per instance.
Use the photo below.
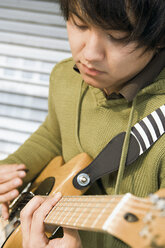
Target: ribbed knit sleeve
(43, 145)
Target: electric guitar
(139, 222)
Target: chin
(92, 82)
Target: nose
(94, 50)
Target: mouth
(90, 70)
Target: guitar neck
(116, 215)
(101, 213)
(82, 212)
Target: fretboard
(96, 213)
(83, 212)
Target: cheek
(75, 52)
(121, 63)
(119, 58)
(76, 45)
(120, 54)
(116, 59)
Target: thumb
(72, 235)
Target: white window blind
(33, 38)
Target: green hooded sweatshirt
(81, 119)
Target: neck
(83, 212)
(108, 91)
(116, 215)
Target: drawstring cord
(125, 149)
(125, 144)
(78, 111)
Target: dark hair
(144, 20)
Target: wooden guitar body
(63, 175)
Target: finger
(11, 168)
(26, 217)
(71, 234)
(9, 196)
(5, 210)
(70, 239)
(37, 228)
(10, 185)
(9, 176)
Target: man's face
(102, 58)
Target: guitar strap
(143, 135)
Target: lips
(90, 71)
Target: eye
(114, 39)
(78, 23)
(81, 26)
(118, 37)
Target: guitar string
(71, 199)
(90, 218)
(82, 198)
(77, 204)
(78, 209)
(90, 221)
(59, 206)
(77, 212)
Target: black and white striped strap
(143, 135)
(149, 129)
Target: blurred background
(33, 38)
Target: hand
(10, 179)
(33, 233)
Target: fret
(85, 213)
(64, 217)
(91, 217)
(56, 215)
(79, 217)
(107, 210)
(86, 216)
(82, 211)
(84, 200)
(116, 211)
(72, 216)
(100, 215)
(86, 219)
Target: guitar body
(63, 175)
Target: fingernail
(17, 182)
(14, 193)
(22, 173)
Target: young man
(118, 62)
